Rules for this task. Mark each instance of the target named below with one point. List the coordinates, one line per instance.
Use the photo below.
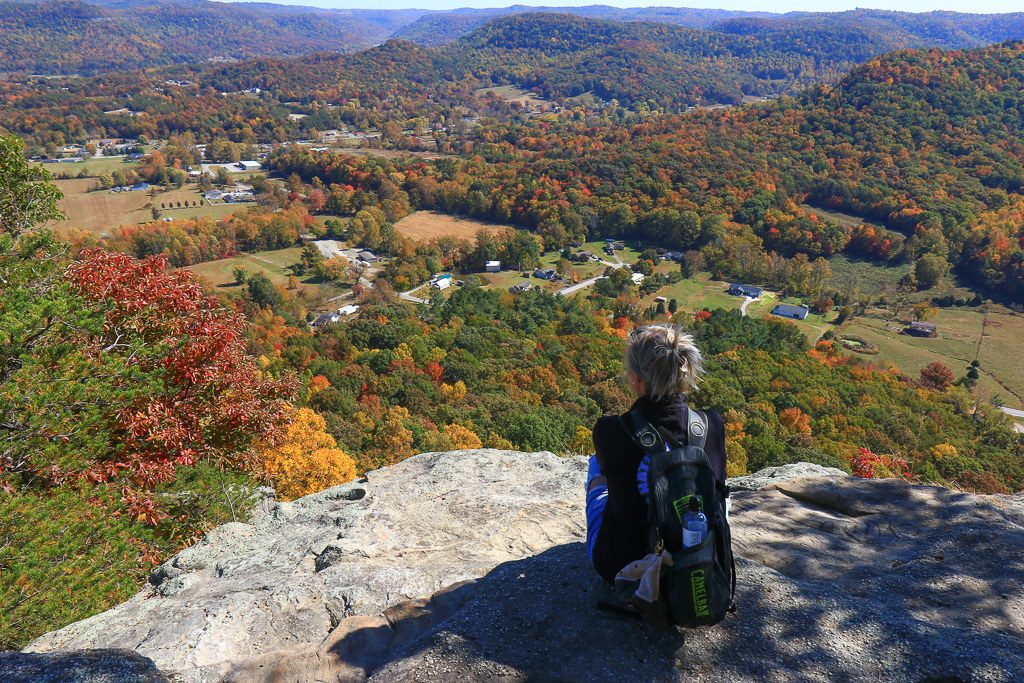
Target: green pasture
(217, 211)
(870, 277)
(273, 263)
(93, 166)
(874, 279)
(964, 333)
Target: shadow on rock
(81, 666)
(840, 579)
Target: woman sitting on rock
(662, 366)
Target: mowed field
(511, 93)
(963, 334)
(100, 210)
(425, 225)
(273, 263)
(93, 165)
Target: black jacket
(623, 535)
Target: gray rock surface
(840, 579)
(773, 475)
(300, 569)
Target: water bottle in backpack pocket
(695, 524)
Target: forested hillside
(939, 29)
(70, 36)
(139, 406)
(925, 145)
(437, 28)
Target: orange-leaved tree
(304, 458)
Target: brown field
(514, 94)
(424, 225)
(101, 210)
(98, 211)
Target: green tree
(262, 291)
(241, 274)
(309, 259)
(26, 196)
(929, 270)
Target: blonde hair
(665, 359)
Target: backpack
(700, 583)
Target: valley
(305, 244)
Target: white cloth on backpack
(639, 584)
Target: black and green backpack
(700, 585)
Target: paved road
(743, 306)
(1015, 413)
(575, 288)
(406, 296)
(586, 283)
(330, 249)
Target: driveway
(575, 288)
(1017, 414)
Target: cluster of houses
(782, 310)
(240, 196)
(137, 187)
(330, 318)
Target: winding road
(1017, 414)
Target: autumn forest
(142, 401)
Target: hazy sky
(979, 6)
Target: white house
(326, 319)
(637, 278)
(492, 266)
(348, 310)
(443, 283)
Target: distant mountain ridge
(71, 36)
(437, 28)
(939, 29)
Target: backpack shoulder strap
(696, 428)
(643, 434)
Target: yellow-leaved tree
(305, 458)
